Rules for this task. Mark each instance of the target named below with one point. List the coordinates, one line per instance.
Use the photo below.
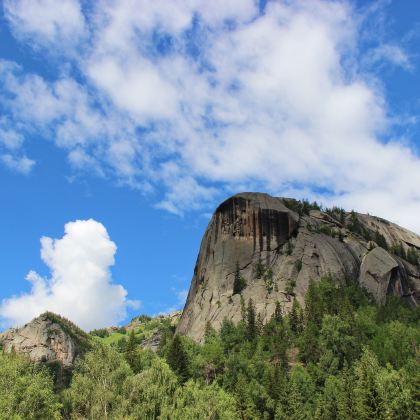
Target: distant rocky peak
(47, 338)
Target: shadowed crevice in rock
(242, 217)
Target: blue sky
(142, 116)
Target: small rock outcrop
(172, 318)
(153, 342)
(273, 247)
(48, 338)
(155, 336)
(378, 270)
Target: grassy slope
(142, 329)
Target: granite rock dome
(277, 245)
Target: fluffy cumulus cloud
(80, 286)
(197, 99)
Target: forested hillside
(340, 357)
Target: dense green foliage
(101, 332)
(301, 207)
(26, 391)
(339, 357)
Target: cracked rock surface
(279, 251)
(42, 340)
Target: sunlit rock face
(278, 250)
(45, 339)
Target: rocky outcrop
(155, 336)
(382, 274)
(172, 318)
(153, 342)
(277, 245)
(48, 338)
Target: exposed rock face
(278, 251)
(153, 342)
(381, 274)
(45, 339)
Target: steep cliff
(268, 249)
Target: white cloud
(394, 54)
(9, 138)
(200, 100)
(182, 296)
(20, 164)
(136, 86)
(65, 112)
(46, 21)
(80, 287)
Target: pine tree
(243, 309)
(305, 207)
(259, 269)
(296, 403)
(380, 240)
(399, 250)
(295, 317)
(279, 345)
(403, 254)
(313, 304)
(277, 315)
(251, 325)
(308, 344)
(239, 282)
(244, 398)
(330, 401)
(413, 256)
(177, 358)
(346, 400)
(259, 325)
(342, 217)
(365, 391)
(209, 331)
(301, 317)
(131, 352)
(415, 390)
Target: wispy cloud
(389, 53)
(21, 164)
(199, 99)
(182, 296)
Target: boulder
(381, 274)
